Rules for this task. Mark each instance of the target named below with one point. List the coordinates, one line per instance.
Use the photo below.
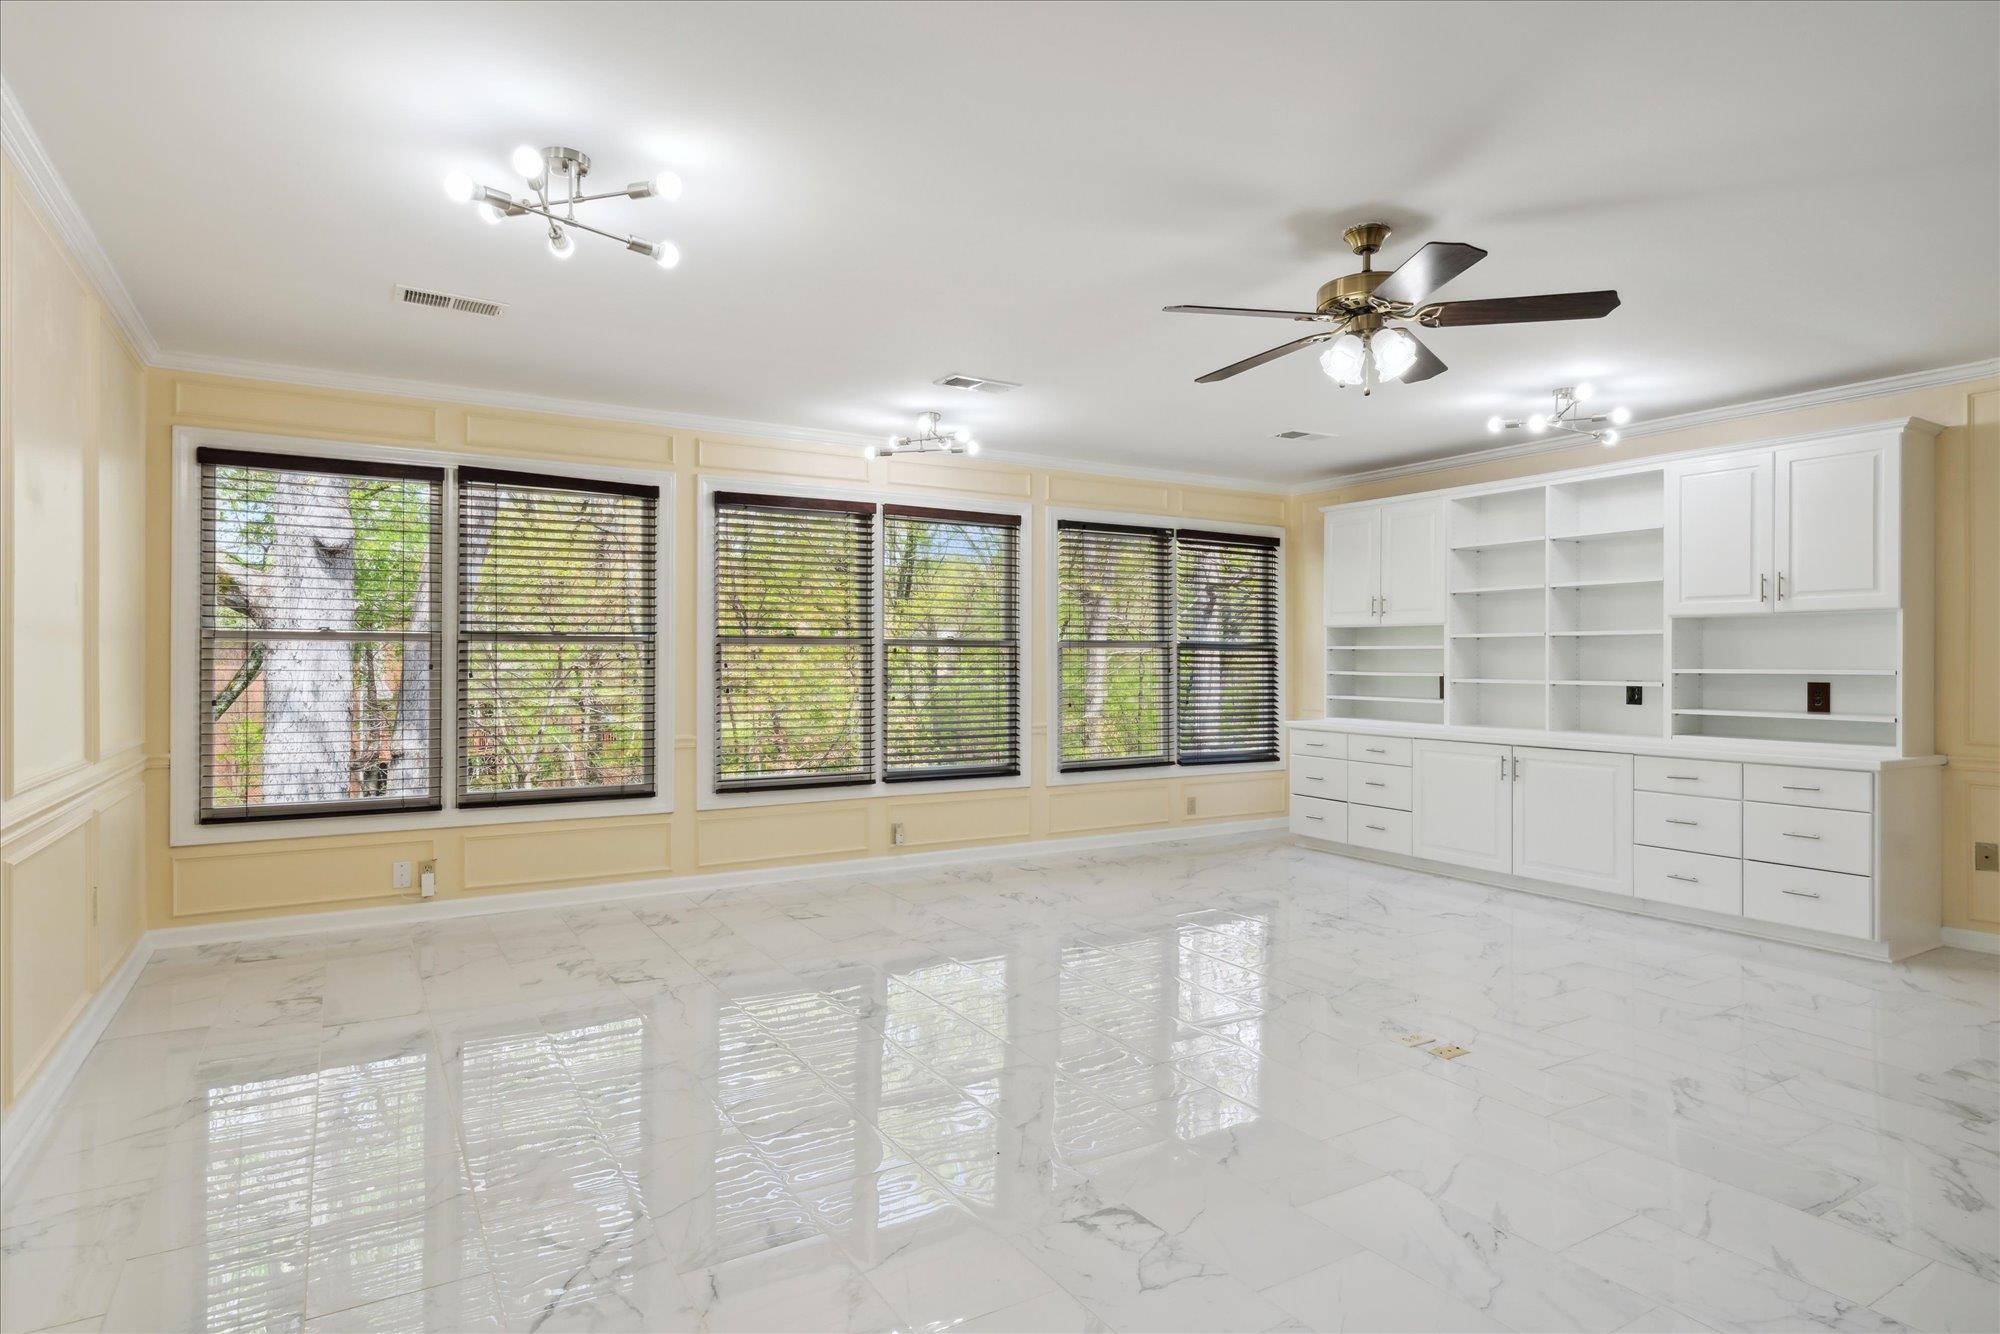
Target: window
(328, 678)
(320, 625)
(556, 638)
(1166, 646)
(835, 666)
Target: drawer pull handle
(1685, 778)
(1369, 782)
(1690, 823)
(1315, 745)
(1801, 893)
(1812, 837)
(1374, 750)
(1316, 818)
(1795, 787)
(1690, 879)
(1311, 779)
(1378, 828)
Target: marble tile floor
(1156, 1089)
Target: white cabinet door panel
(1353, 563)
(1463, 805)
(1573, 818)
(1314, 818)
(1837, 548)
(1314, 777)
(1412, 579)
(1719, 535)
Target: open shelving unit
(1497, 577)
(1745, 677)
(1607, 623)
(1385, 672)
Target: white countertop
(1693, 748)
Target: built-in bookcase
(1389, 672)
(1497, 578)
(1606, 614)
(1746, 677)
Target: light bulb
(488, 214)
(1495, 425)
(1395, 352)
(667, 185)
(894, 443)
(1538, 423)
(1344, 358)
(1609, 438)
(1583, 393)
(560, 245)
(869, 452)
(666, 254)
(458, 187)
(528, 161)
(1621, 415)
(927, 423)
(972, 446)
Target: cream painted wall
(72, 623)
(1968, 588)
(221, 882)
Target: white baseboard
(757, 880)
(28, 1117)
(1985, 942)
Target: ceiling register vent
(1302, 435)
(464, 305)
(977, 383)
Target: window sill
(188, 833)
(797, 796)
(1156, 772)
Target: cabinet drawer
(1320, 819)
(1687, 778)
(1326, 745)
(1380, 749)
(1804, 836)
(1385, 831)
(1692, 824)
(1689, 879)
(1822, 900)
(1378, 785)
(1315, 777)
(1836, 789)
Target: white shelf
(1392, 699)
(1497, 681)
(1498, 588)
(1787, 713)
(1348, 671)
(1603, 681)
(1496, 634)
(1495, 546)
(1605, 583)
(1784, 671)
(1608, 532)
(1382, 648)
(1603, 634)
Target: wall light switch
(1190, 805)
(402, 875)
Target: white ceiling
(1787, 197)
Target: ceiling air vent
(464, 305)
(977, 383)
(1302, 435)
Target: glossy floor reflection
(1155, 1090)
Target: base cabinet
(1463, 804)
(1573, 818)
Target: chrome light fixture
(1568, 418)
(555, 202)
(930, 438)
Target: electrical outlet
(896, 833)
(1190, 805)
(1819, 697)
(1635, 694)
(401, 875)
(1986, 856)
(427, 879)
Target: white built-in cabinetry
(1603, 680)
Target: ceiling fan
(1357, 310)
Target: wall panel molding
(226, 879)
(294, 412)
(509, 433)
(509, 857)
(780, 834)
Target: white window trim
(1052, 653)
(184, 769)
(707, 798)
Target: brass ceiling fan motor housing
(1351, 292)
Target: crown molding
(31, 162)
(1811, 398)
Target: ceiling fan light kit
(1361, 311)
(931, 437)
(541, 167)
(1567, 419)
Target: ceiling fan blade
(1425, 366)
(1247, 310)
(1427, 270)
(1519, 309)
(1251, 363)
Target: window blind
(951, 644)
(557, 638)
(1114, 645)
(794, 642)
(320, 625)
(1226, 603)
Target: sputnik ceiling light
(1567, 419)
(556, 203)
(931, 438)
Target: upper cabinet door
(1719, 536)
(1413, 562)
(1838, 549)
(1464, 804)
(1353, 560)
(1573, 818)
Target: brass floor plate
(1416, 1039)
(1449, 1053)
